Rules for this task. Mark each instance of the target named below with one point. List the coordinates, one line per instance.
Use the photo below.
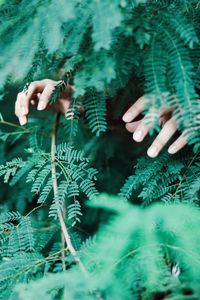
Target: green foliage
(168, 180)
(143, 247)
(54, 243)
(73, 173)
(102, 44)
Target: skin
(39, 93)
(140, 128)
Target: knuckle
(31, 86)
(45, 81)
(50, 85)
(49, 90)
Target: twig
(63, 245)
(16, 126)
(64, 229)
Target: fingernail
(32, 102)
(127, 117)
(138, 136)
(41, 105)
(172, 150)
(22, 121)
(152, 152)
(24, 112)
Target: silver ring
(26, 87)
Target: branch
(64, 229)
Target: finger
(131, 127)
(35, 88)
(20, 110)
(45, 96)
(35, 99)
(178, 145)
(163, 137)
(33, 102)
(26, 97)
(136, 109)
(145, 125)
(22, 118)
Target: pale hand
(39, 93)
(141, 128)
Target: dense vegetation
(85, 214)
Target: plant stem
(14, 125)
(64, 229)
(63, 245)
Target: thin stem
(64, 229)
(14, 125)
(63, 245)
(34, 209)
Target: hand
(141, 128)
(39, 93)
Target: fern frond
(21, 238)
(8, 221)
(41, 177)
(45, 191)
(74, 212)
(186, 99)
(95, 105)
(11, 168)
(88, 187)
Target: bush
(68, 231)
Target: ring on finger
(26, 87)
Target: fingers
(136, 109)
(142, 127)
(24, 99)
(178, 145)
(141, 131)
(163, 137)
(45, 96)
(34, 88)
(34, 101)
(20, 111)
(161, 140)
(131, 127)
